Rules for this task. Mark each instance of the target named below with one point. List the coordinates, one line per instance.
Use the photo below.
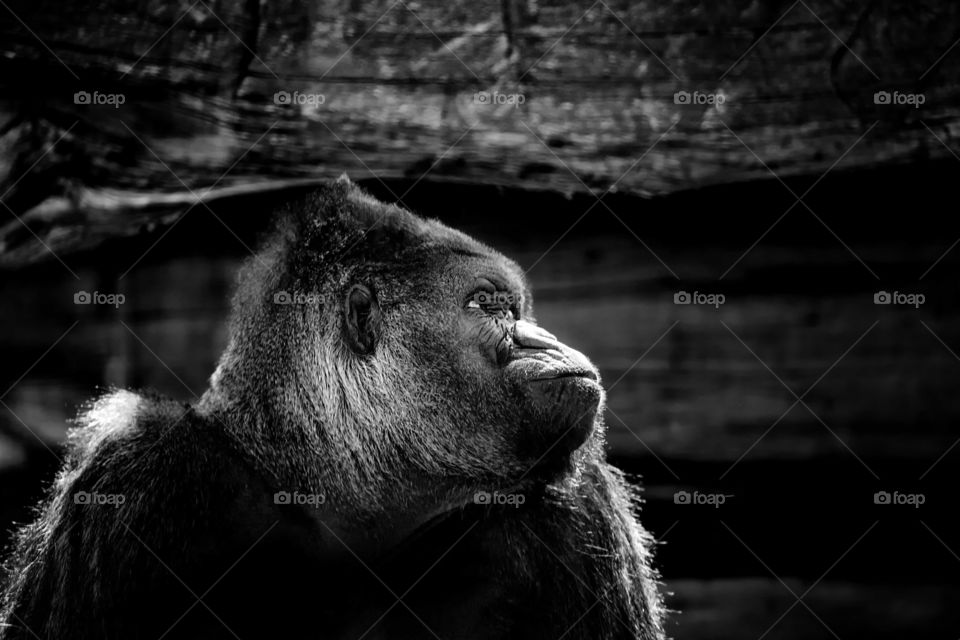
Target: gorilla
(390, 447)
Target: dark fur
(385, 404)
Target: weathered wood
(391, 90)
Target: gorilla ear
(363, 319)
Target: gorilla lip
(578, 373)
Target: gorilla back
(390, 447)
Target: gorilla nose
(530, 336)
(549, 358)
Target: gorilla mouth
(569, 373)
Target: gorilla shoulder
(123, 427)
(122, 415)
(145, 487)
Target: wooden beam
(645, 98)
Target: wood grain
(393, 89)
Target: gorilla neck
(366, 504)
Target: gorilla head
(400, 364)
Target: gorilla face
(513, 397)
(556, 388)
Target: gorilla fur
(364, 379)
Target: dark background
(611, 196)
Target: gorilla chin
(566, 406)
(572, 402)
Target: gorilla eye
(496, 302)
